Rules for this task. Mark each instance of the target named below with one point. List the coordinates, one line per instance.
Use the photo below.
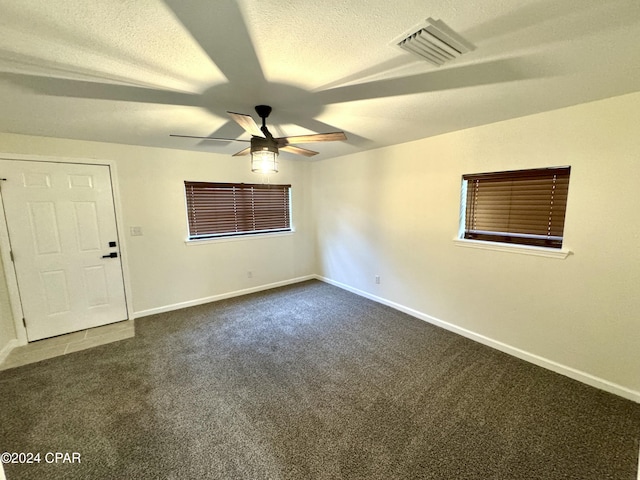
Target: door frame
(5, 246)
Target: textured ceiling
(134, 71)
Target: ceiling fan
(264, 146)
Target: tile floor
(72, 342)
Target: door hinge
(24, 322)
(11, 256)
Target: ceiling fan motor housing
(259, 143)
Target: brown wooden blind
(523, 207)
(223, 209)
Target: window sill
(236, 238)
(513, 248)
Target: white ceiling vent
(434, 42)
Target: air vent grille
(435, 42)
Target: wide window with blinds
(229, 209)
(524, 207)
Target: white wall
(394, 212)
(164, 271)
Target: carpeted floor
(309, 382)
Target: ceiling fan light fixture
(264, 159)
(435, 42)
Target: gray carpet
(309, 382)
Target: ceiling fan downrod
(263, 112)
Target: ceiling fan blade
(245, 151)
(315, 137)
(208, 138)
(298, 150)
(318, 126)
(247, 123)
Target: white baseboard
(6, 350)
(222, 296)
(503, 347)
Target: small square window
(525, 207)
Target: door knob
(111, 255)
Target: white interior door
(62, 229)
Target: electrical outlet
(249, 274)
(377, 279)
(135, 231)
